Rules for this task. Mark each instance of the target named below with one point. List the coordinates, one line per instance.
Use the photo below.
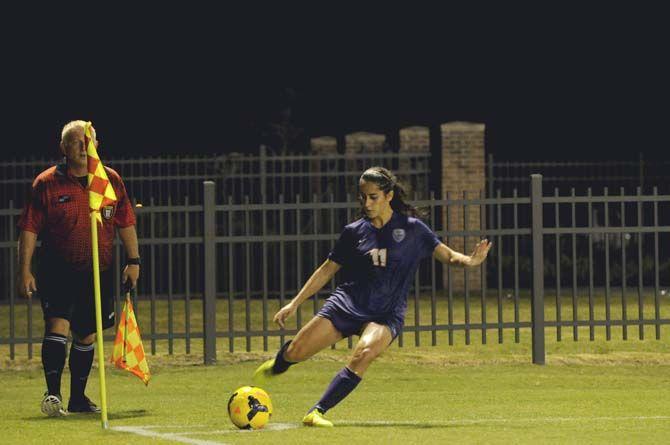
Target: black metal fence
(235, 175)
(578, 175)
(219, 271)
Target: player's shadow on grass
(129, 414)
(391, 424)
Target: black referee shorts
(68, 293)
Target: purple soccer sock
(344, 382)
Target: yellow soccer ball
(250, 407)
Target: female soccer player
(380, 254)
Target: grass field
(441, 316)
(415, 396)
(588, 392)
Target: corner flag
(100, 193)
(128, 351)
(100, 190)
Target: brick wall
(414, 139)
(363, 141)
(323, 145)
(463, 173)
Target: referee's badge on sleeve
(107, 212)
(398, 235)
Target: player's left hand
(131, 272)
(479, 253)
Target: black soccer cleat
(82, 406)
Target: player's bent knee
(364, 355)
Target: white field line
(177, 437)
(182, 437)
(147, 431)
(270, 427)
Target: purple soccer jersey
(379, 265)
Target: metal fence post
(537, 302)
(489, 169)
(209, 295)
(13, 262)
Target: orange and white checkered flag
(128, 351)
(100, 190)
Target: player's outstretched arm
(446, 255)
(319, 278)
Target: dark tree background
(549, 84)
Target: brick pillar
(414, 140)
(361, 142)
(364, 142)
(323, 185)
(463, 171)
(323, 145)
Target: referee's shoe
(52, 405)
(82, 406)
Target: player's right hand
(25, 284)
(283, 314)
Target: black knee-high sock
(53, 360)
(281, 364)
(344, 382)
(81, 359)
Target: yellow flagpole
(98, 318)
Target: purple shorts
(349, 325)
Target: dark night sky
(591, 86)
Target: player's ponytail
(387, 181)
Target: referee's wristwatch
(133, 261)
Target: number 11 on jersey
(378, 257)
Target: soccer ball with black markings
(250, 407)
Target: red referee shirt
(58, 212)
